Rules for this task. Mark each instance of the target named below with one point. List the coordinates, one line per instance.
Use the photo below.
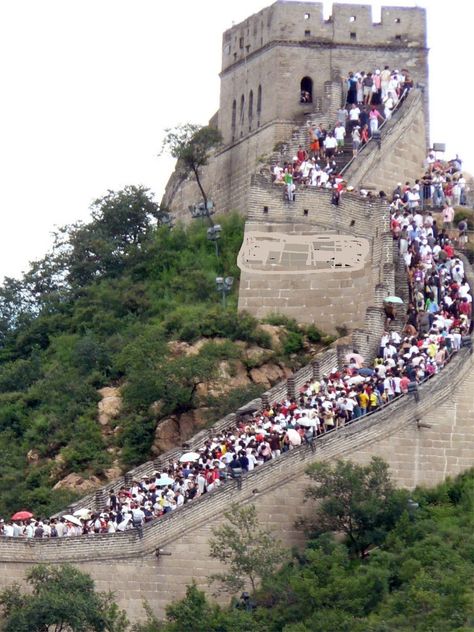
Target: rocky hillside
(115, 347)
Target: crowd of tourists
(438, 316)
(367, 95)
(412, 349)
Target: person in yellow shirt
(363, 402)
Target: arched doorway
(306, 90)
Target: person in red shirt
(449, 250)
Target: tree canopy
(357, 501)
(191, 145)
(249, 551)
(62, 600)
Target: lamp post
(224, 286)
(201, 210)
(213, 234)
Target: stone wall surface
(331, 298)
(264, 60)
(401, 154)
(423, 443)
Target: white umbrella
(82, 513)
(294, 436)
(306, 422)
(123, 525)
(164, 480)
(73, 519)
(189, 456)
(393, 299)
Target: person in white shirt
(339, 135)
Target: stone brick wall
(269, 54)
(333, 298)
(401, 153)
(417, 454)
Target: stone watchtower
(274, 55)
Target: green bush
(467, 215)
(313, 334)
(293, 343)
(281, 320)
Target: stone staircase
(300, 136)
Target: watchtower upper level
(288, 49)
(304, 22)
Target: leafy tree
(62, 600)
(191, 145)
(358, 501)
(195, 614)
(250, 551)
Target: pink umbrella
(22, 515)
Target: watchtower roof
(350, 24)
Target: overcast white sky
(89, 86)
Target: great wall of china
(424, 439)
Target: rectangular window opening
(353, 36)
(305, 212)
(307, 33)
(353, 18)
(241, 42)
(307, 16)
(398, 38)
(265, 209)
(397, 20)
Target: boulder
(113, 473)
(190, 422)
(256, 356)
(258, 376)
(276, 333)
(110, 405)
(178, 348)
(274, 372)
(167, 435)
(78, 483)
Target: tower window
(241, 42)
(398, 38)
(307, 33)
(307, 16)
(234, 114)
(259, 100)
(353, 18)
(250, 106)
(242, 107)
(353, 36)
(397, 20)
(306, 90)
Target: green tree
(62, 600)
(191, 145)
(195, 614)
(250, 552)
(358, 501)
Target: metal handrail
(400, 101)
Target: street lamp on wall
(224, 286)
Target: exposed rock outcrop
(78, 483)
(110, 405)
